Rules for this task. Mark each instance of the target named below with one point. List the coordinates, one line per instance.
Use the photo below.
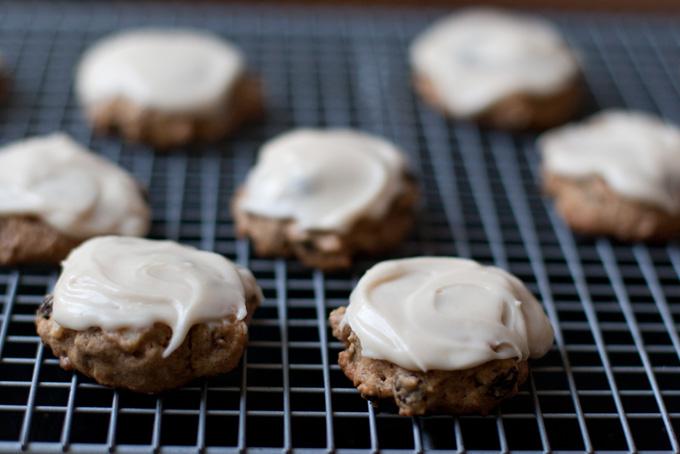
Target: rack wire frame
(611, 381)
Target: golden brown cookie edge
(329, 251)
(477, 390)
(26, 240)
(165, 130)
(132, 359)
(591, 207)
(519, 111)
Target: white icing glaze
(480, 56)
(637, 155)
(73, 190)
(440, 313)
(324, 179)
(169, 69)
(124, 282)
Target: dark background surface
(612, 380)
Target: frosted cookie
(54, 194)
(167, 87)
(325, 196)
(503, 70)
(616, 174)
(440, 335)
(147, 315)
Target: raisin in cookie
(167, 87)
(616, 174)
(503, 70)
(148, 315)
(54, 194)
(440, 335)
(325, 196)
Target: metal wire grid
(612, 381)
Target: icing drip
(121, 282)
(71, 189)
(324, 180)
(169, 69)
(637, 155)
(481, 56)
(437, 313)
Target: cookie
(617, 174)
(440, 335)
(503, 70)
(147, 315)
(54, 194)
(28, 240)
(167, 87)
(325, 196)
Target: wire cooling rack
(612, 380)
